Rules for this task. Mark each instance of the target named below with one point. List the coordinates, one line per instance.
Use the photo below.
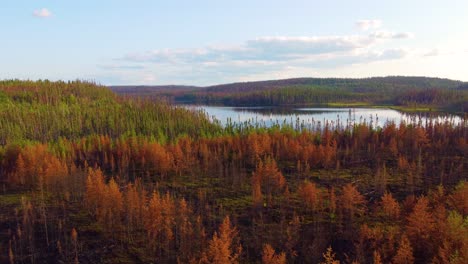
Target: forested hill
(150, 90)
(46, 111)
(394, 90)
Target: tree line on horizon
(412, 92)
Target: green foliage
(46, 111)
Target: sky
(117, 42)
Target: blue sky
(211, 42)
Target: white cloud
(149, 78)
(392, 54)
(270, 52)
(43, 13)
(366, 24)
(293, 47)
(431, 53)
(391, 35)
(260, 49)
(441, 52)
(120, 67)
(260, 57)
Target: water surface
(313, 117)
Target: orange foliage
(329, 257)
(404, 254)
(420, 221)
(390, 206)
(351, 200)
(222, 248)
(268, 176)
(459, 198)
(269, 256)
(311, 195)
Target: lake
(317, 117)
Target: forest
(403, 93)
(92, 176)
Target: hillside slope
(393, 90)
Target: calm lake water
(315, 117)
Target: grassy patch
(7, 200)
(409, 109)
(414, 108)
(237, 203)
(349, 104)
